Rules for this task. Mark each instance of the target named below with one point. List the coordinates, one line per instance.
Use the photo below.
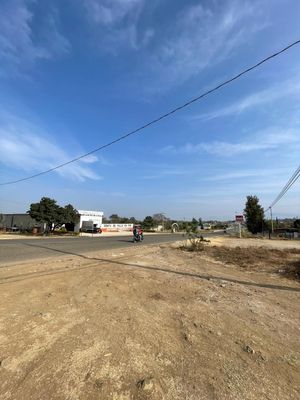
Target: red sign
(239, 218)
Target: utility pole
(272, 227)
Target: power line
(163, 116)
(288, 185)
(285, 189)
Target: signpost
(239, 219)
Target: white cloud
(203, 36)
(111, 12)
(23, 147)
(162, 173)
(241, 174)
(20, 45)
(234, 175)
(269, 139)
(119, 22)
(268, 96)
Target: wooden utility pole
(272, 227)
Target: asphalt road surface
(22, 250)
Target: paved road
(21, 250)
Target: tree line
(54, 216)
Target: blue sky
(77, 74)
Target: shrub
(195, 243)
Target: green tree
(124, 220)
(47, 211)
(148, 223)
(201, 223)
(159, 217)
(254, 214)
(114, 219)
(296, 224)
(194, 225)
(70, 217)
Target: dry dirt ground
(153, 322)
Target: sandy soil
(152, 322)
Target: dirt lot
(153, 323)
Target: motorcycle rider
(138, 232)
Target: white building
(92, 218)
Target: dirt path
(148, 323)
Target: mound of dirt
(258, 258)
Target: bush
(195, 243)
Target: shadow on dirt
(24, 276)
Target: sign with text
(239, 218)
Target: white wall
(94, 216)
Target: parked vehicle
(90, 227)
(90, 230)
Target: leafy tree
(168, 224)
(159, 217)
(194, 225)
(70, 217)
(296, 224)
(148, 223)
(254, 214)
(124, 220)
(114, 219)
(49, 212)
(201, 223)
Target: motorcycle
(138, 237)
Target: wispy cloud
(204, 35)
(267, 96)
(111, 12)
(24, 147)
(241, 174)
(269, 139)
(167, 173)
(21, 42)
(118, 21)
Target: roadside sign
(239, 218)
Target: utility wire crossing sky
(74, 75)
(168, 114)
(286, 188)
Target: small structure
(93, 218)
(19, 222)
(116, 227)
(207, 226)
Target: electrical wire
(161, 117)
(291, 181)
(286, 188)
